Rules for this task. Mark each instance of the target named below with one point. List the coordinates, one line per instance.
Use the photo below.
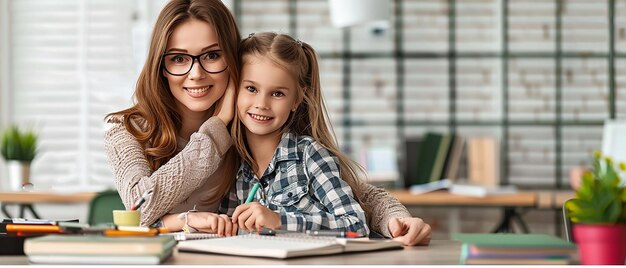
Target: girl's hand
(225, 107)
(410, 231)
(253, 216)
(212, 223)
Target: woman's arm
(206, 222)
(173, 182)
(390, 218)
(381, 206)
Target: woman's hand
(212, 223)
(253, 216)
(410, 231)
(225, 107)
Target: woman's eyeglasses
(180, 63)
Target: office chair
(101, 207)
(567, 222)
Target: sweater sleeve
(174, 181)
(381, 206)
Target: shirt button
(289, 194)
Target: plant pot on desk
(601, 244)
(19, 174)
(18, 148)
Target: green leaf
(601, 198)
(18, 145)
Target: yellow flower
(609, 160)
(597, 154)
(622, 166)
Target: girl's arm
(382, 207)
(344, 212)
(173, 182)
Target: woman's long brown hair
(311, 117)
(153, 99)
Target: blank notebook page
(265, 246)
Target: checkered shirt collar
(287, 150)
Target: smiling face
(267, 96)
(197, 90)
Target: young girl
(286, 146)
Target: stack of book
(511, 249)
(13, 233)
(434, 157)
(98, 249)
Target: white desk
(26, 200)
(511, 204)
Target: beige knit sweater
(189, 177)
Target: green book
(411, 158)
(66, 259)
(427, 157)
(513, 240)
(440, 157)
(99, 245)
(98, 249)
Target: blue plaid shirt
(302, 183)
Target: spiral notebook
(283, 246)
(182, 236)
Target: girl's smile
(261, 119)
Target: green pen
(252, 192)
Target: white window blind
(71, 64)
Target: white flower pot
(19, 174)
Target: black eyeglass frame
(193, 61)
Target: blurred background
(539, 76)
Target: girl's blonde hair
(310, 118)
(153, 99)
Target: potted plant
(18, 148)
(599, 213)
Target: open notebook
(284, 246)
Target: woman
(174, 140)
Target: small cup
(126, 217)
